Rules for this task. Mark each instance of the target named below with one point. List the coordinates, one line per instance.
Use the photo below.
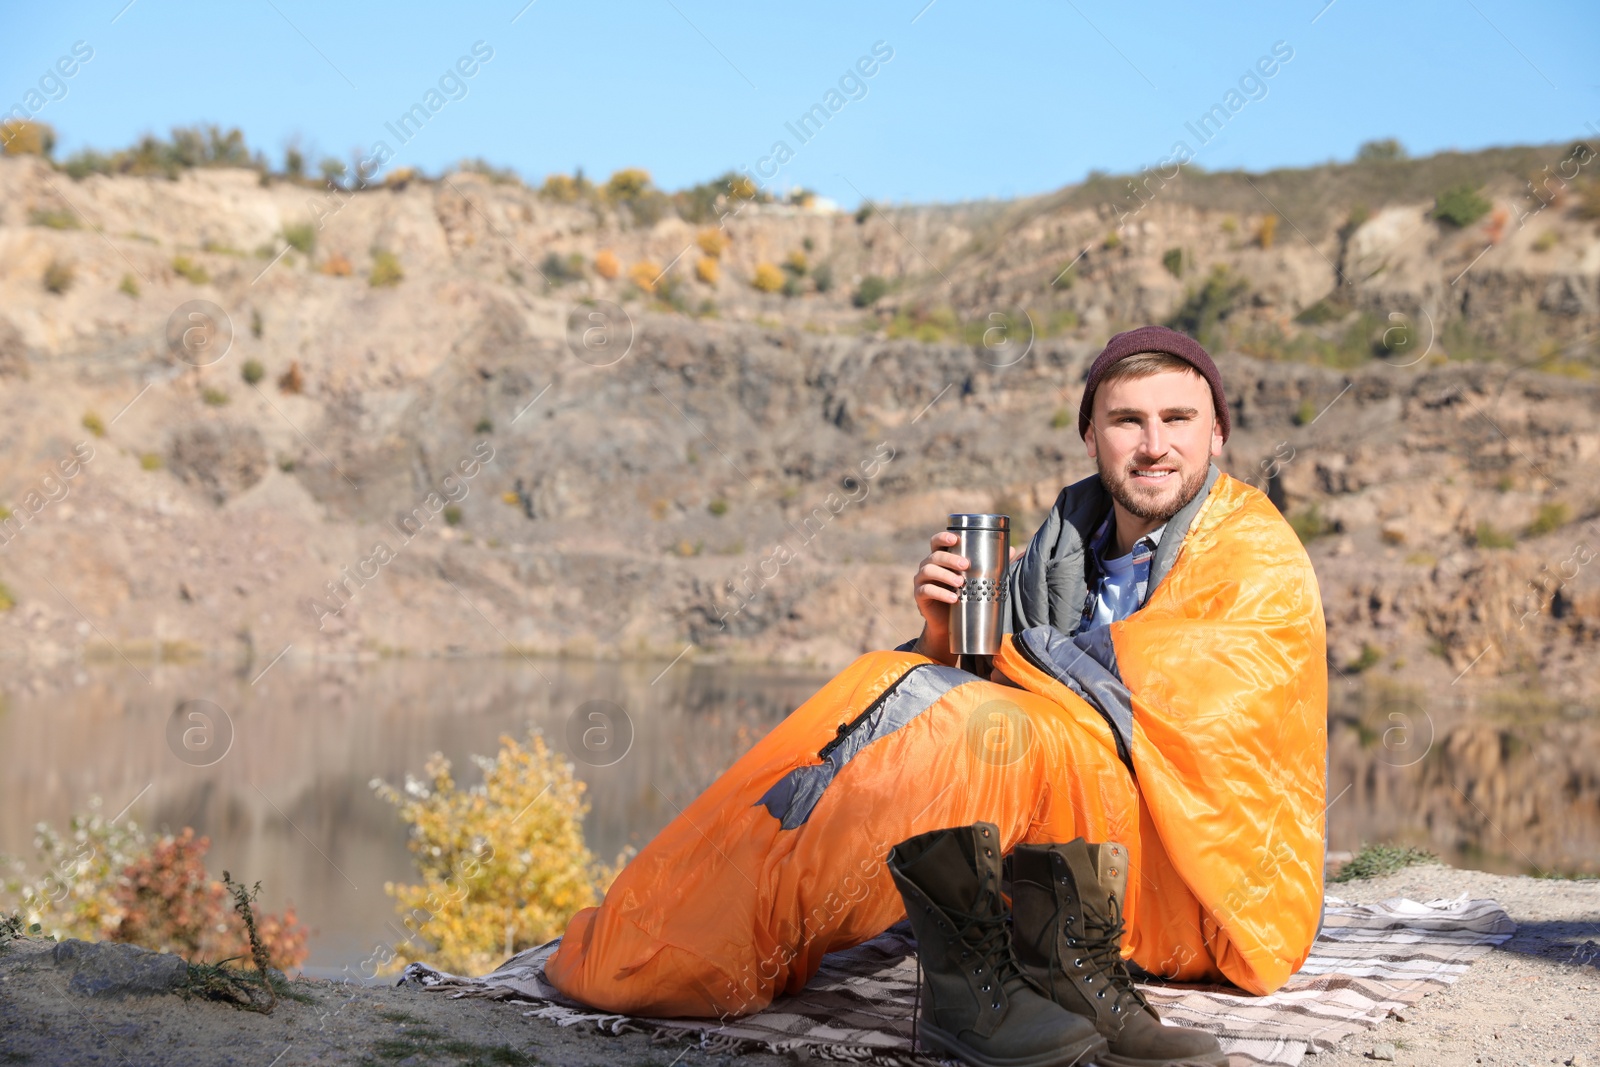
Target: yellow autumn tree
(705, 269)
(768, 279)
(606, 264)
(503, 864)
(645, 274)
(712, 241)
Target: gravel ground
(1536, 1000)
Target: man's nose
(1154, 440)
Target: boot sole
(1066, 1056)
(1111, 1059)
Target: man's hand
(939, 577)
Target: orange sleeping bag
(1217, 791)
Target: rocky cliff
(432, 425)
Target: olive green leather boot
(975, 1004)
(1066, 907)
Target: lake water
(289, 802)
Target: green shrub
(94, 423)
(484, 425)
(58, 276)
(255, 323)
(1546, 241)
(1061, 419)
(1322, 311)
(718, 507)
(129, 285)
(1305, 412)
(188, 268)
(214, 397)
(559, 270)
(1172, 259)
(252, 372)
(151, 461)
(1210, 304)
(1370, 655)
(1550, 517)
(55, 219)
(302, 237)
(1374, 861)
(1486, 536)
(822, 277)
(385, 270)
(1387, 150)
(1309, 525)
(1460, 205)
(452, 515)
(870, 291)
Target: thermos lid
(980, 522)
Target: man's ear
(1088, 441)
(1216, 436)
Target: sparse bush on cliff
(1172, 259)
(564, 189)
(1267, 232)
(302, 237)
(645, 274)
(822, 277)
(55, 219)
(870, 291)
(1549, 518)
(1460, 206)
(292, 381)
(768, 278)
(252, 372)
(129, 285)
(1387, 150)
(606, 264)
(1206, 307)
(713, 242)
(337, 266)
(94, 423)
(503, 864)
(19, 137)
(58, 277)
(187, 268)
(558, 270)
(189, 147)
(706, 270)
(385, 270)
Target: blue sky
(976, 101)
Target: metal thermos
(977, 617)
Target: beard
(1152, 503)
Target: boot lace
(1101, 948)
(987, 937)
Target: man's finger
(932, 591)
(948, 560)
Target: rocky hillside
(448, 417)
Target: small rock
(1579, 1060)
(107, 969)
(1382, 1051)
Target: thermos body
(977, 617)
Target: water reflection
(289, 802)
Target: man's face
(1153, 439)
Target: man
(1161, 691)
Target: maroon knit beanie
(1154, 339)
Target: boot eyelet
(986, 987)
(984, 831)
(1116, 1009)
(989, 852)
(1078, 962)
(1101, 995)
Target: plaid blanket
(1370, 960)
